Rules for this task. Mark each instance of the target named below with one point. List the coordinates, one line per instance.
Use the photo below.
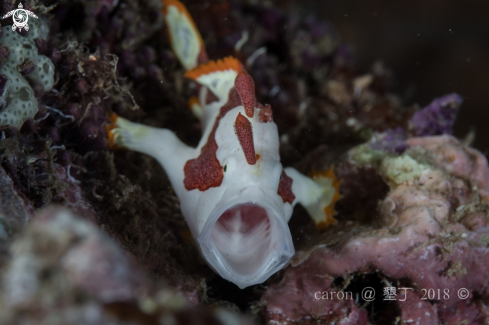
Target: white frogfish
(234, 193)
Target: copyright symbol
(463, 293)
(368, 294)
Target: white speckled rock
(17, 96)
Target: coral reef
(15, 212)
(23, 73)
(413, 212)
(429, 235)
(62, 262)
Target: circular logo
(368, 294)
(20, 17)
(463, 293)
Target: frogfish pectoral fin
(330, 186)
(317, 194)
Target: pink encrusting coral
(457, 159)
(430, 232)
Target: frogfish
(234, 193)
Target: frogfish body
(234, 193)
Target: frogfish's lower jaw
(246, 242)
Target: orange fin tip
(113, 118)
(109, 127)
(183, 10)
(194, 105)
(229, 63)
(329, 220)
(328, 210)
(185, 39)
(193, 101)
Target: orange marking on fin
(229, 63)
(325, 224)
(329, 210)
(192, 101)
(113, 118)
(182, 10)
(181, 7)
(109, 127)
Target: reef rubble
(65, 270)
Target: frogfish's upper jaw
(246, 242)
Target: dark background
(434, 47)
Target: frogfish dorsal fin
(218, 76)
(184, 36)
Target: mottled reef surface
(91, 235)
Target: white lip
(279, 230)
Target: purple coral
(393, 141)
(438, 117)
(319, 28)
